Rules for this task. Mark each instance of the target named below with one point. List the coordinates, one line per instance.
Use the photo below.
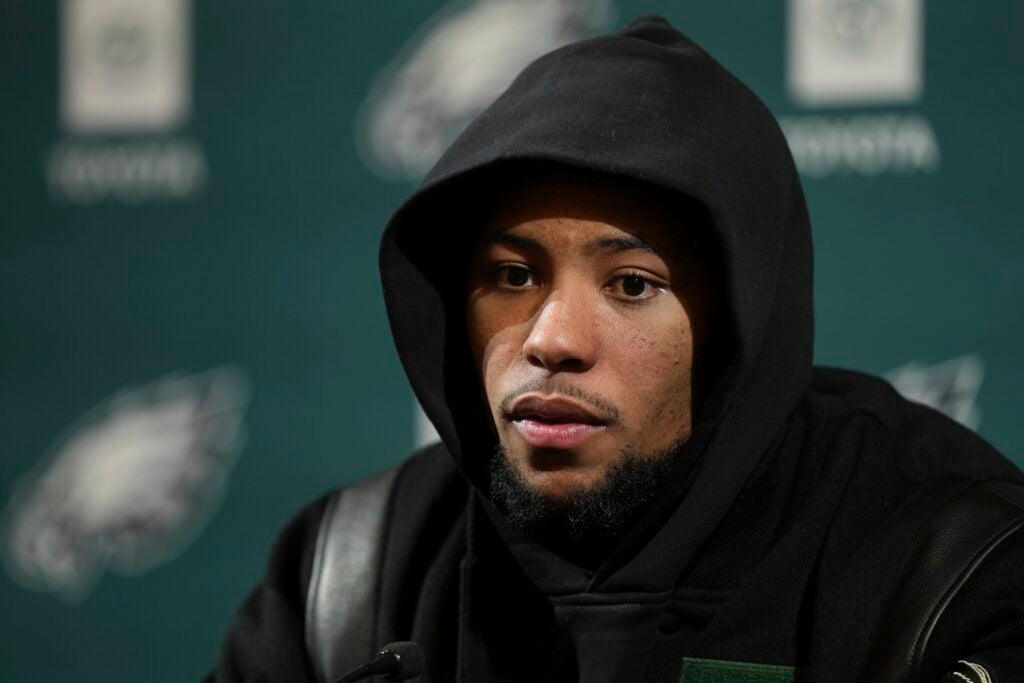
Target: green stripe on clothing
(721, 671)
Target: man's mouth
(554, 422)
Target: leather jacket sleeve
(981, 635)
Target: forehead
(551, 204)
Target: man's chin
(578, 502)
(559, 487)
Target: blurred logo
(424, 432)
(854, 53)
(125, 72)
(844, 51)
(862, 144)
(124, 64)
(950, 387)
(129, 171)
(454, 67)
(128, 485)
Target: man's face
(581, 313)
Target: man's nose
(563, 337)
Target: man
(602, 297)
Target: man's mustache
(547, 387)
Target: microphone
(398, 661)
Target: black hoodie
(780, 533)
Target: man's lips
(555, 434)
(554, 422)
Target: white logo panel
(855, 51)
(124, 65)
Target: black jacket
(781, 532)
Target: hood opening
(438, 239)
(647, 106)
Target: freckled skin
(557, 314)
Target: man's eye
(514, 276)
(634, 288)
(633, 285)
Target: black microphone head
(407, 655)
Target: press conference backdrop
(193, 340)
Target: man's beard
(589, 520)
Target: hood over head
(649, 105)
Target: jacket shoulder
(924, 444)
(898, 464)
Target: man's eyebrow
(625, 243)
(513, 240)
(610, 244)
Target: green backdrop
(226, 223)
